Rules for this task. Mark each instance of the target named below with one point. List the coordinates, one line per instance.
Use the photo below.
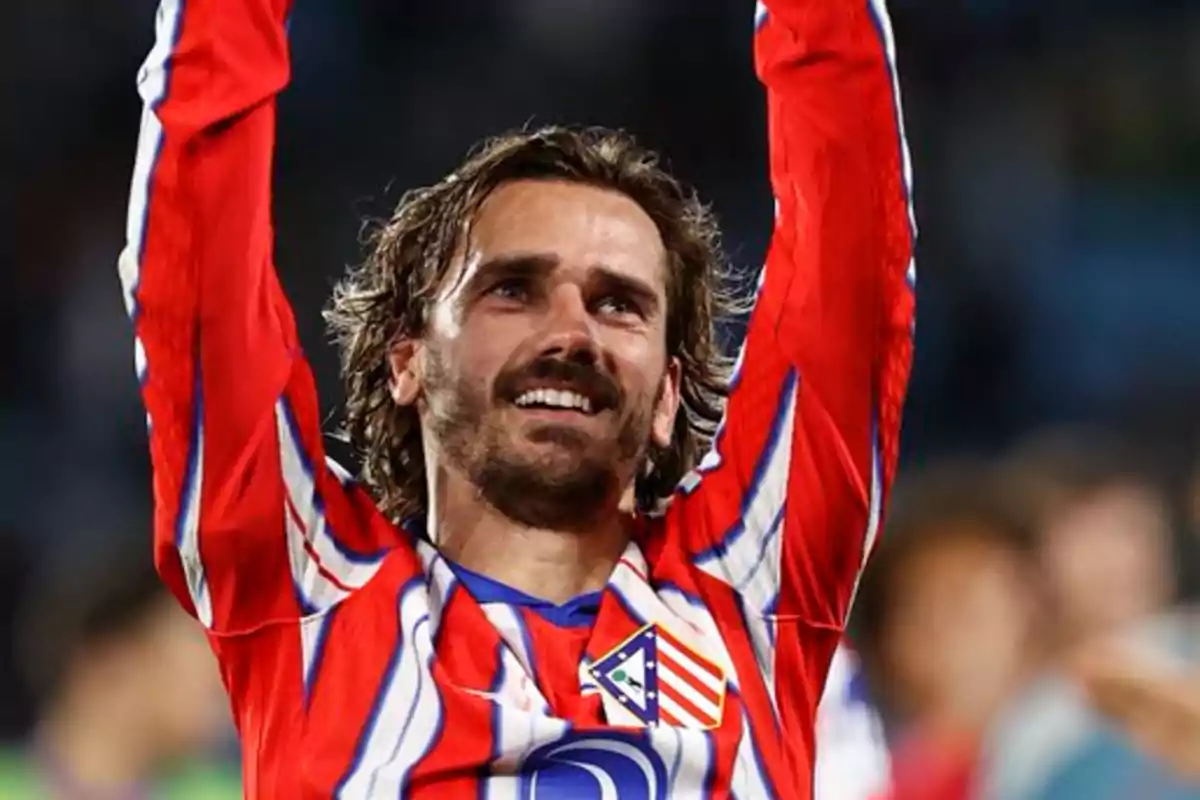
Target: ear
(406, 365)
(663, 425)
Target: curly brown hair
(389, 296)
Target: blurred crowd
(1015, 603)
(1042, 545)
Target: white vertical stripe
(874, 514)
(188, 538)
(312, 635)
(748, 781)
(686, 771)
(129, 265)
(312, 528)
(152, 86)
(410, 715)
(750, 561)
(139, 358)
(760, 13)
(502, 787)
(316, 590)
(852, 755)
(511, 627)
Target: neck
(548, 564)
(90, 748)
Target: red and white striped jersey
(358, 661)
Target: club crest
(655, 678)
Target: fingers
(1156, 705)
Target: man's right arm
(245, 508)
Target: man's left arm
(787, 505)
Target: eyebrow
(517, 265)
(539, 265)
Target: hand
(1156, 705)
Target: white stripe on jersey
(308, 528)
(408, 716)
(187, 536)
(508, 623)
(749, 780)
(152, 87)
(313, 630)
(750, 561)
(874, 512)
(852, 755)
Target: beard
(551, 476)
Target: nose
(570, 329)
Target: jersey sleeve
(786, 506)
(250, 523)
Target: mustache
(586, 379)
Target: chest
(421, 691)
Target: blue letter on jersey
(599, 765)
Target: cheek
(642, 361)
(479, 351)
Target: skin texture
(558, 285)
(131, 706)
(960, 631)
(1156, 705)
(1106, 558)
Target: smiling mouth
(555, 400)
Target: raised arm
(787, 505)
(245, 508)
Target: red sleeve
(786, 506)
(250, 524)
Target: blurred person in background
(1105, 528)
(1153, 701)
(946, 623)
(130, 701)
(1146, 684)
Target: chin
(547, 485)
(552, 460)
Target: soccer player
(528, 346)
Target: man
(129, 697)
(946, 623)
(528, 346)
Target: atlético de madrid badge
(653, 677)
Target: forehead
(582, 225)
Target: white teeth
(555, 398)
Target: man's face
(959, 625)
(543, 376)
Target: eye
(514, 289)
(616, 305)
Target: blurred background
(1050, 496)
